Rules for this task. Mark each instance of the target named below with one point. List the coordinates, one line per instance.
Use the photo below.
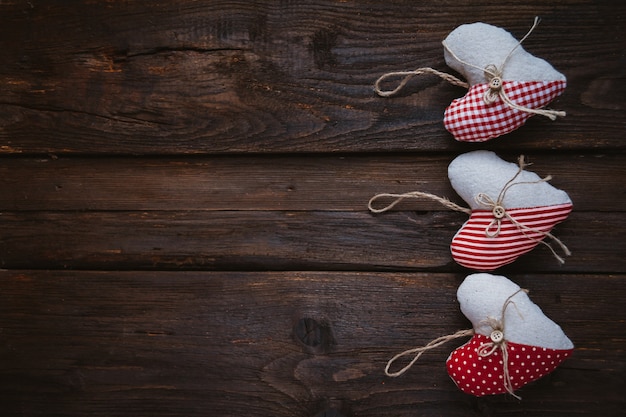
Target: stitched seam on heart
(469, 119)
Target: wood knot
(316, 336)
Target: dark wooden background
(183, 221)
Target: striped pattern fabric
(470, 119)
(472, 247)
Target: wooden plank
(280, 241)
(267, 76)
(172, 343)
(155, 157)
(594, 181)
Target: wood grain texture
(280, 76)
(183, 207)
(280, 241)
(594, 182)
(171, 343)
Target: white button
(495, 83)
(498, 212)
(496, 336)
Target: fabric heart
(512, 210)
(507, 85)
(471, 119)
(513, 344)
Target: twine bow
(497, 341)
(499, 212)
(497, 208)
(493, 76)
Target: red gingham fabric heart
(475, 246)
(484, 375)
(470, 119)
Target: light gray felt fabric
(481, 44)
(483, 295)
(484, 172)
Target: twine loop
(493, 75)
(497, 342)
(406, 77)
(397, 198)
(497, 208)
(418, 351)
(498, 211)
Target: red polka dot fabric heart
(512, 211)
(471, 119)
(482, 375)
(514, 343)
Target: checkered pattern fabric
(472, 248)
(470, 119)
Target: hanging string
(497, 208)
(498, 341)
(420, 350)
(535, 23)
(500, 212)
(493, 75)
(497, 338)
(407, 75)
(413, 194)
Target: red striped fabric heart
(471, 119)
(511, 211)
(482, 245)
(481, 375)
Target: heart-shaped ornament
(512, 210)
(471, 119)
(507, 85)
(514, 343)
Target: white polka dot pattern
(472, 248)
(470, 119)
(484, 375)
